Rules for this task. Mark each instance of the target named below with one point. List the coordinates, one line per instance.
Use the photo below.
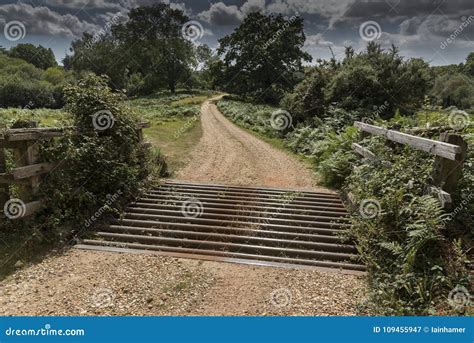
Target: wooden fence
(450, 152)
(28, 168)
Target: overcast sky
(440, 31)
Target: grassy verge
(44, 117)
(175, 123)
(175, 138)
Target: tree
(454, 90)
(307, 100)
(146, 53)
(381, 81)
(373, 81)
(160, 53)
(101, 56)
(206, 62)
(469, 65)
(39, 56)
(263, 56)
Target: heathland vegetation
(416, 251)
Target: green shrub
(454, 90)
(307, 100)
(373, 78)
(15, 92)
(24, 85)
(414, 251)
(254, 117)
(104, 161)
(400, 234)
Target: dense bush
(15, 92)
(307, 99)
(454, 90)
(104, 161)
(371, 81)
(24, 85)
(399, 231)
(39, 56)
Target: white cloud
(317, 40)
(331, 10)
(221, 14)
(253, 6)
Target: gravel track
(80, 282)
(227, 154)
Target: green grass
(175, 123)
(175, 138)
(45, 117)
(192, 100)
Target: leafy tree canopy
(39, 56)
(372, 81)
(149, 50)
(263, 56)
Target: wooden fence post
(446, 173)
(26, 153)
(4, 192)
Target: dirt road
(228, 154)
(96, 283)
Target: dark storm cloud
(44, 21)
(408, 8)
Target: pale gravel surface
(82, 282)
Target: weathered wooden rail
(28, 168)
(450, 152)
